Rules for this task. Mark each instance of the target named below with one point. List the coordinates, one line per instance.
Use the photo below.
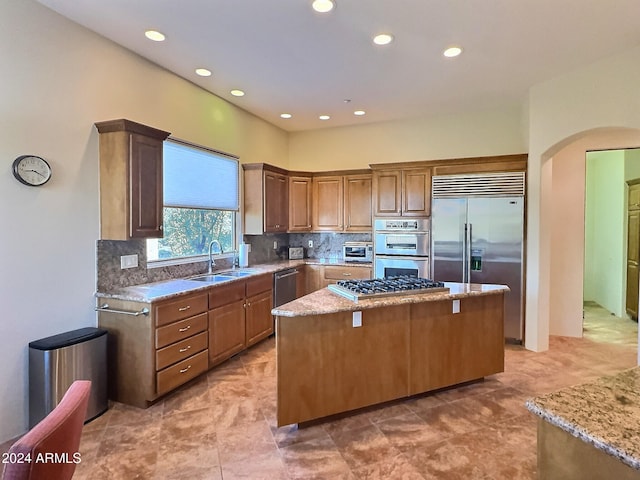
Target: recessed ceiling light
(285, 115)
(237, 93)
(359, 112)
(203, 72)
(323, 6)
(154, 35)
(324, 117)
(383, 39)
(452, 52)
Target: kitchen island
(590, 430)
(335, 355)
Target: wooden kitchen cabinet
(266, 199)
(239, 316)
(152, 354)
(357, 203)
(300, 204)
(301, 281)
(131, 200)
(633, 248)
(328, 206)
(405, 192)
(320, 276)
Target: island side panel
(326, 366)
(449, 348)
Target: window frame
(236, 227)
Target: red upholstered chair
(51, 447)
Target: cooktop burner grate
(379, 287)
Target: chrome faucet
(212, 263)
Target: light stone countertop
(325, 301)
(604, 413)
(152, 292)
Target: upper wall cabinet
(266, 199)
(130, 180)
(357, 203)
(299, 204)
(405, 192)
(328, 206)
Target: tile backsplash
(110, 275)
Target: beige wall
(468, 134)
(599, 105)
(57, 80)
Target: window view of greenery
(188, 232)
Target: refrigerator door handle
(467, 252)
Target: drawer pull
(346, 274)
(184, 309)
(185, 369)
(184, 329)
(187, 348)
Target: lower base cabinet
(226, 331)
(175, 340)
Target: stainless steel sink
(239, 273)
(214, 278)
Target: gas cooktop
(383, 287)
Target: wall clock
(31, 170)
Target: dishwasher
(284, 286)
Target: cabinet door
(276, 202)
(146, 187)
(314, 277)
(226, 331)
(387, 188)
(633, 259)
(301, 281)
(416, 192)
(357, 203)
(259, 321)
(328, 203)
(299, 204)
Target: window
(200, 202)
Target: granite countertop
(324, 301)
(151, 292)
(604, 413)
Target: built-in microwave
(357, 252)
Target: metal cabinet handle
(182, 350)
(184, 309)
(185, 369)
(346, 274)
(184, 329)
(105, 308)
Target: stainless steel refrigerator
(477, 231)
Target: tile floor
(222, 426)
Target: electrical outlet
(310, 243)
(357, 319)
(275, 245)
(128, 261)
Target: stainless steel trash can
(55, 362)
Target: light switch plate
(128, 261)
(357, 319)
(456, 306)
(275, 245)
(310, 243)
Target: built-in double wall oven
(401, 247)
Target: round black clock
(31, 170)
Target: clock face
(31, 170)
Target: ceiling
(289, 58)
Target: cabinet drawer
(180, 330)
(179, 351)
(259, 284)
(182, 372)
(181, 308)
(346, 273)
(224, 294)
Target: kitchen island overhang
(334, 355)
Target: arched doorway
(562, 213)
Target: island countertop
(604, 413)
(324, 301)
